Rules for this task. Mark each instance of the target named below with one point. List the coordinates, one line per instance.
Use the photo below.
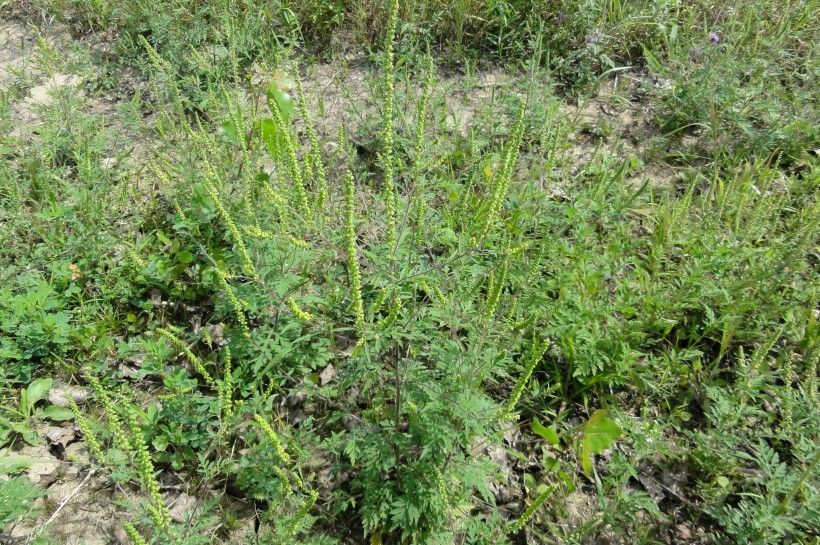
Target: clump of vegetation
(412, 334)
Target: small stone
(683, 533)
(59, 395)
(59, 435)
(183, 507)
(327, 375)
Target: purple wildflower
(714, 37)
(561, 17)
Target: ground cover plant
(408, 272)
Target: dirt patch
(79, 506)
(617, 122)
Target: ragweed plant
(135, 537)
(156, 506)
(539, 346)
(236, 305)
(314, 156)
(115, 425)
(247, 264)
(386, 156)
(353, 272)
(90, 437)
(297, 311)
(226, 386)
(194, 360)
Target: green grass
(413, 334)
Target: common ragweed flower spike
(226, 387)
(503, 176)
(300, 314)
(518, 525)
(495, 285)
(393, 315)
(293, 163)
(274, 439)
(300, 514)
(353, 271)
(811, 378)
(256, 232)
(418, 214)
(421, 117)
(91, 440)
(196, 363)
(315, 153)
(236, 305)
(284, 483)
(114, 423)
(539, 346)
(145, 469)
(378, 302)
(439, 295)
(786, 408)
(386, 155)
(135, 257)
(276, 200)
(244, 256)
(441, 487)
(299, 243)
(133, 534)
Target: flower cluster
(192, 358)
(353, 271)
(236, 305)
(91, 440)
(114, 422)
(292, 162)
(244, 256)
(502, 178)
(133, 534)
(274, 439)
(313, 160)
(539, 346)
(386, 155)
(298, 312)
(145, 469)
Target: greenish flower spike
(300, 314)
(226, 387)
(297, 518)
(495, 285)
(386, 155)
(293, 163)
(274, 439)
(539, 346)
(91, 440)
(196, 363)
(247, 265)
(145, 469)
(236, 305)
(518, 525)
(393, 315)
(114, 422)
(503, 176)
(353, 271)
(421, 118)
(314, 155)
(133, 535)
